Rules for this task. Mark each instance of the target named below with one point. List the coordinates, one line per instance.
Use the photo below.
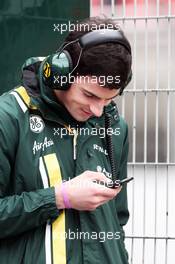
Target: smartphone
(117, 183)
(121, 182)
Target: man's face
(85, 99)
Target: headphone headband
(60, 64)
(101, 36)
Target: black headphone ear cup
(129, 78)
(69, 59)
(67, 85)
(126, 83)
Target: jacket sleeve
(121, 199)
(19, 213)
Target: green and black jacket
(33, 159)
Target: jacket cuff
(49, 204)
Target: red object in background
(163, 5)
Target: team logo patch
(46, 70)
(36, 124)
(104, 171)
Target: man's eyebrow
(98, 96)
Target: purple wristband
(65, 197)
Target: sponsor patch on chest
(42, 145)
(103, 170)
(36, 124)
(100, 149)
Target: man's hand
(84, 193)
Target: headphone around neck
(57, 67)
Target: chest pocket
(93, 155)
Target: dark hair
(108, 59)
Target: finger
(99, 177)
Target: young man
(54, 155)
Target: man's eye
(88, 95)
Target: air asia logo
(103, 170)
(36, 124)
(46, 70)
(42, 145)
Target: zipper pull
(75, 144)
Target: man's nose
(97, 108)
